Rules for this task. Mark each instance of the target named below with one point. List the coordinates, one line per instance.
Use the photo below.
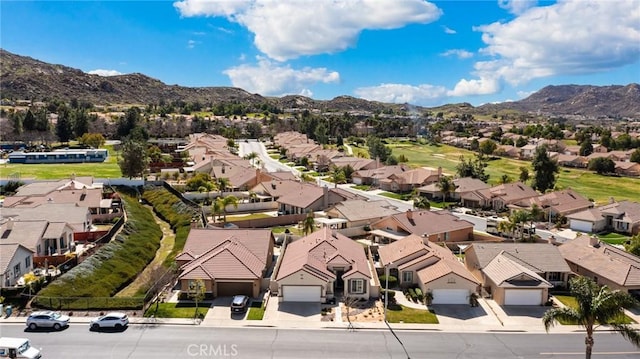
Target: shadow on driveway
(458, 311)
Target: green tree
(64, 126)
(337, 176)
(377, 149)
(505, 179)
(633, 246)
(224, 202)
(197, 293)
(602, 165)
(134, 160)
(586, 148)
(308, 224)
(488, 147)
(94, 140)
(518, 218)
(29, 121)
(524, 174)
(507, 227)
(421, 202)
(595, 306)
(251, 157)
(635, 156)
(446, 186)
(545, 170)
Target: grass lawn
(46, 171)
(176, 310)
(256, 311)
(570, 301)
(248, 217)
(584, 182)
(397, 313)
(292, 229)
(614, 238)
(440, 204)
(362, 187)
(400, 196)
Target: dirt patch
(363, 311)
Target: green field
(593, 186)
(106, 169)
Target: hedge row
(114, 265)
(171, 209)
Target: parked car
(47, 319)
(115, 320)
(239, 304)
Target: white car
(47, 319)
(115, 320)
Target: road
(205, 342)
(271, 165)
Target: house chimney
(325, 197)
(612, 200)
(439, 172)
(552, 239)
(223, 169)
(9, 226)
(409, 214)
(593, 241)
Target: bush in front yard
(392, 281)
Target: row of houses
(44, 220)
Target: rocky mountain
(23, 78)
(592, 101)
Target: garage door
(228, 289)
(523, 297)
(581, 226)
(450, 296)
(299, 293)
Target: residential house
(631, 169)
(574, 161)
(435, 226)
(604, 263)
(431, 267)
(324, 265)
(507, 151)
(463, 186)
(501, 196)
(410, 179)
(356, 163)
(15, 261)
(373, 177)
(517, 273)
(623, 217)
(290, 138)
(528, 151)
(228, 261)
(79, 218)
(353, 217)
(90, 198)
(558, 203)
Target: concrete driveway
(464, 315)
(221, 310)
(292, 311)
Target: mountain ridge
(25, 78)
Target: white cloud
(525, 94)
(482, 86)
(192, 43)
(401, 93)
(569, 37)
(272, 79)
(517, 6)
(460, 53)
(306, 92)
(101, 72)
(448, 30)
(286, 29)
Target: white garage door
(580, 226)
(523, 297)
(450, 296)
(300, 293)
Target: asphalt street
(169, 341)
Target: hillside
(27, 78)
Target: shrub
(412, 293)
(419, 295)
(392, 281)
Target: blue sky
(423, 53)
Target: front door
(338, 285)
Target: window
(554, 276)
(16, 271)
(407, 277)
(27, 262)
(451, 280)
(357, 286)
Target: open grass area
(400, 196)
(400, 314)
(588, 184)
(362, 187)
(256, 311)
(177, 310)
(614, 238)
(46, 171)
(571, 302)
(247, 217)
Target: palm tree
(251, 156)
(446, 186)
(217, 207)
(225, 201)
(507, 227)
(534, 215)
(223, 183)
(517, 218)
(421, 202)
(596, 306)
(309, 224)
